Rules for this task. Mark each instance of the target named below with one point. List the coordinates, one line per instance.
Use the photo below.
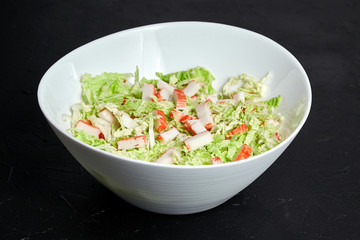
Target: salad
(178, 118)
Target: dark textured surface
(311, 192)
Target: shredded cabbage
(114, 92)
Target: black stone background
(311, 192)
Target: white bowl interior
(224, 50)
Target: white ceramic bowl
(224, 50)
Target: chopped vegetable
(109, 116)
(178, 118)
(127, 121)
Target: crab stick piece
(131, 142)
(129, 81)
(224, 100)
(148, 91)
(277, 136)
(213, 98)
(179, 98)
(180, 115)
(168, 135)
(240, 129)
(161, 84)
(204, 114)
(194, 126)
(244, 153)
(194, 97)
(160, 120)
(168, 157)
(107, 115)
(89, 129)
(163, 95)
(104, 126)
(198, 140)
(86, 121)
(238, 97)
(188, 123)
(216, 160)
(192, 88)
(272, 121)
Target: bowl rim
(293, 134)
